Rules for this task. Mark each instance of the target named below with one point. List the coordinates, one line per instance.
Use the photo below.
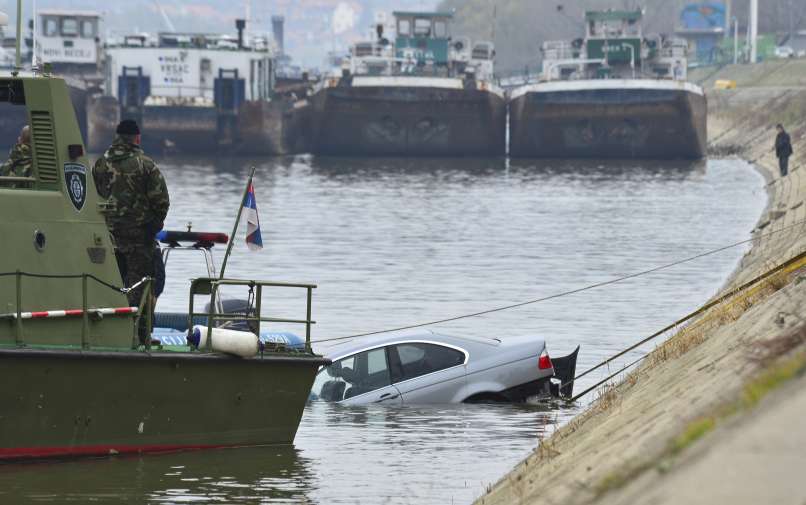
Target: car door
(426, 372)
(357, 379)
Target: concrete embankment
(716, 413)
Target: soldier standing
(139, 200)
(19, 161)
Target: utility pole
(753, 31)
(735, 40)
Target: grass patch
(771, 379)
(693, 432)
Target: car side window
(415, 359)
(352, 376)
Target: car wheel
(487, 398)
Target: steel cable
(569, 292)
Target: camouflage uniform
(139, 200)
(19, 163)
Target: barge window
(403, 27)
(87, 29)
(422, 27)
(50, 28)
(440, 29)
(69, 27)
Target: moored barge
(614, 94)
(426, 94)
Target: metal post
(149, 308)
(190, 311)
(85, 318)
(19, 308)
(308, 322)
(735, 40)
(753, 31)
(18, 61)
(258, 299)
(237, 222)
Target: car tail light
(544, 363)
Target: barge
(193, 92)
(613, 94)
(66, 44)
(426, 94)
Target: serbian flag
(253, 239)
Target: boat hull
(258, 127)
(609, 123)
(408, 121)
(81, 403)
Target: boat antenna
(165, 17)
(33, 38)
(18, 60)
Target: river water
(395, 242)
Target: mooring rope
(789, 265)
(569, 292)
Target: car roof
(347, 347)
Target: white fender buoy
(239, 343)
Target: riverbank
(715, 412)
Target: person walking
(783, 149)
(20, 160)
(139, 203)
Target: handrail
(209, 285)
(85, 310)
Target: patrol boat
(614, 94)
(76, 381)
(427, 94)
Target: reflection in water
(248, 475)
(392, 242)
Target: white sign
(64, 50)
(175, 68)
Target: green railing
(210, 286)
(86, 311)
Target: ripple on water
(392, 242)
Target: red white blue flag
(253, 239)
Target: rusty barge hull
(617, 119)
(258, 127)
(408, 121)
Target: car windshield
(352, 376)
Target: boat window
(422, 27)
(69, 27)
(50, 28)
(416, 359)
(440, 29)
(352, 376)
(87, 29)
(403, 27)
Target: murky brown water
(394, 242)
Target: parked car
(429, 367)
(784, 52)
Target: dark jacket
(783, 146)
(131, 181)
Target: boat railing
(211, 286)
(85, 312)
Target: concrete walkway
(618, 451)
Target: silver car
(429, 367)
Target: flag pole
(237, 222)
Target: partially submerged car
(429, 367)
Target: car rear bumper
(561, 387)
